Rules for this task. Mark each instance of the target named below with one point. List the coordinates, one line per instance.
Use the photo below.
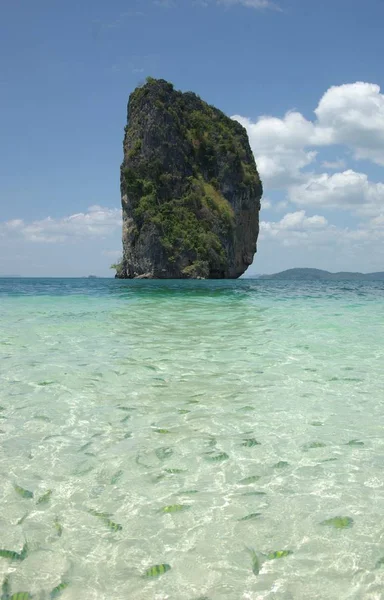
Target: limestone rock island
(190, 189)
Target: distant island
(317, 274)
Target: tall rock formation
(190, 189)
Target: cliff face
(189, 187)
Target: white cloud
(299, 220)
(279, 146)
(354, 114)
(310, 234)
(266, 204)
(293, 229)
(348, 190)
(351, 115)
(286, 148)
(96, 222)
(294, 221)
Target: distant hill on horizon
(317, 274)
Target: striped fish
(22, 492)
(249, 517)
(85, 446)
(279, 554)
(58, 590)
(101, 515)
(41, 418)
(212, 442)
(217, 457)
(58, 527)
(105, 518)
(163, 453)
(45, 497)
(312, 445)
(255, 561)
(156, 570)
(339, 522)
(11, 555)
(22, 519)
(6, 588)
(172, 508)
(250, 442)
(251, 479)
(112, 526)
(174, 471)
(24, 551)
(115, 478)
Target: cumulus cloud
(354, 116)
(351, 115)
(96, 222)
(310, 234)
(293, 229)
(300, 220)
(294, 221)
(347, 190)
(280, 147)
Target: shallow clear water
(107, 386)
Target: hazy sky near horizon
(303, 76)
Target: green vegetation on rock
(338, 522)
(189, 184)
(118, 267)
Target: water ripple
(256, 404)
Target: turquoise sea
(186, 423)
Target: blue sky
(67, 68)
